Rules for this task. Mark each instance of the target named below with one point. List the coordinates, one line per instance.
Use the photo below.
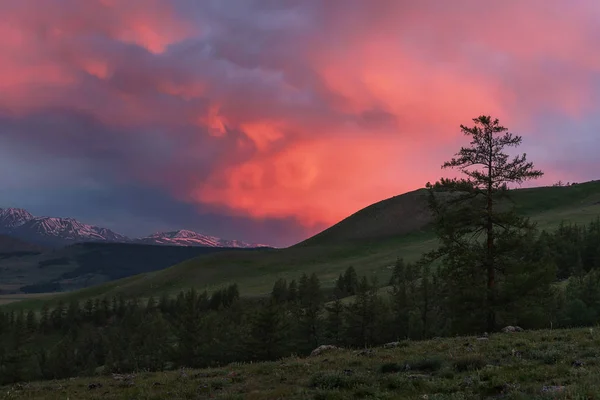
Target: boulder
(323, 349)
(553, 389)
(512, 329)
(392, 345)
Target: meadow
(557, 364)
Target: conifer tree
(279, 294)
(45, 318)
(351, 281)
(363, 315)
(340, 288)
(164, 303)
(269, 332)
(31, 322)
(311, 305)
(293, 291)
(471, 209)
(334, 323)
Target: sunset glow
(278, 119)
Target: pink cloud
(308, 112)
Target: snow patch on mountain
(185, 237)
(70, 229)
(20, 223)
(13, 217)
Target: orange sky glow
(306, 111)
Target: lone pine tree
(468, 207)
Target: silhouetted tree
(471, 208)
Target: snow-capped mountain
(190, 238)
(13, 217)
(55, 231)
(69, 229)
(21, 224)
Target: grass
(10, 298)
(557, 364)
(370, 240)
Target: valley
(370, 240)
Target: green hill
(84, 265)
(370, 240)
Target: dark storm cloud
(267, 120)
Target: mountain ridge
(58, 231)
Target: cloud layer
(270, 120)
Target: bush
(425, 364)
(337, 380)
(469, 363)
(392, 368)
(548, 357)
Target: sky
(270, 120)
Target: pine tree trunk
(491, 300)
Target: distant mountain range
(54, 231)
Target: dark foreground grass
(559, 364)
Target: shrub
(337, 380)
(547, 357)
(392, 368)
(425, 364)
(469, 363)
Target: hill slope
(398, 215)
(371, 250)
(87, 264)
(557, 364)
(10, 245)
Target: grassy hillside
(370, 240)
(10, 246)
(558, 364)
(399, 215)
(87, 264)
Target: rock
(578, 364)
(92, 386)
(467, 381)
(418, 376)
(512, 329)
(510, 387)
(323, 349)
(123, 377)
(392, 345)
(553, 389)
(365, 352)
